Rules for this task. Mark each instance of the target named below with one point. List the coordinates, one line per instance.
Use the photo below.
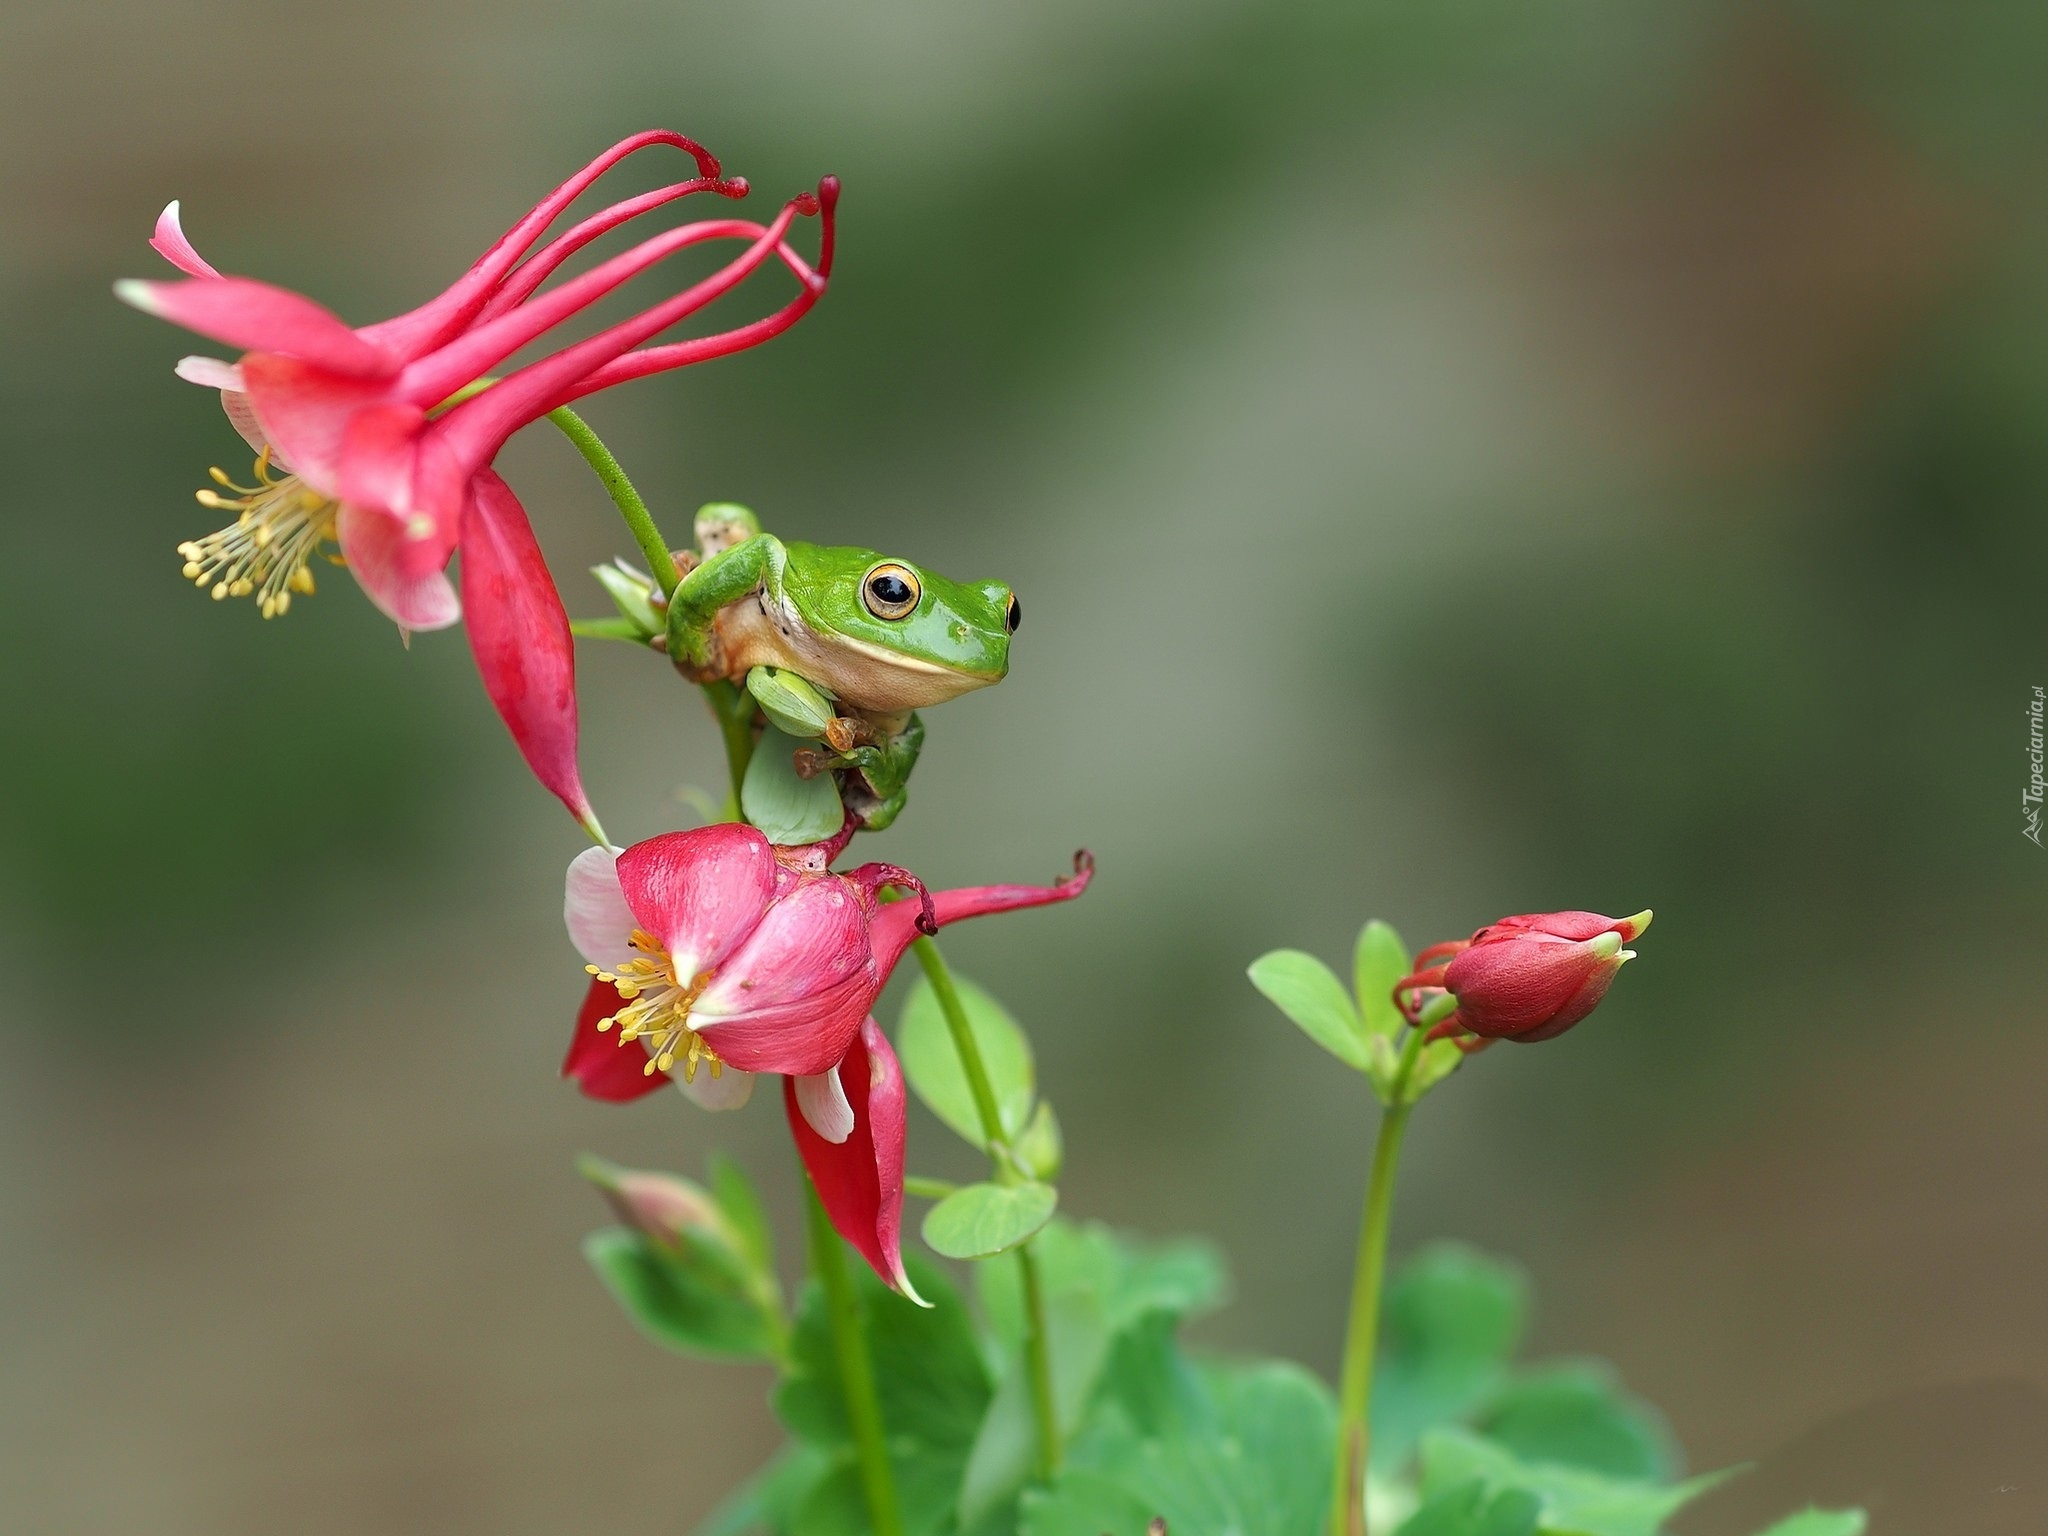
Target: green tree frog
(878, 636)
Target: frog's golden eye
(890, 591)
(1014, 614)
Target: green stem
(1037, 1345)
(856, 1369)
(1038, 1361)
(734, 707)
(623, 495)
(1361, 1340)
(940, 975)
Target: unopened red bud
(1531, 978)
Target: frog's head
(896, 636)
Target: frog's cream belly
(862, 676)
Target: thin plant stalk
(639, 521)
(856, 1367)
(734, 709)
(1037, 1346)
(1361, 1340)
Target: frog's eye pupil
(1015, 614)
(891, 591)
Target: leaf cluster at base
(1466, 1441)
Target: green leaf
(1575, 1502)
(986, 1219)
(767, 1502)
(837, 1505)
(1379, 960)
(786, 808)
(929, 1371)
(1473, 1509)
(1579, 1416)
(741, 1203)
(1128, 1280)
(1006, 1446)
(925, 1047)
(1308, 992)
(792, 705)
(693, 1299)
(1440, 1058)
(1261, 1469)
(1820, 1522)
(1450, 1325)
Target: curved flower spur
(715, 955)
(380, 438)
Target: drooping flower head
(1525, 978)
(358, 446)
(715, 955)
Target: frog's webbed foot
(871, 762)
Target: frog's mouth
(875, 677)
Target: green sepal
(924, 1045)
(633, 595)
(608, 629)
(786, 807)
(793, 705)
(986, 1219)
(1040, 1147)
(1309, 993)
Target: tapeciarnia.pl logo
(2030, 797)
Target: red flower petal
(700, 892)
(520, 635)
(860, 1180)
(260, 318)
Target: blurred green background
(1455, 459)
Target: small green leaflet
(986, 1219)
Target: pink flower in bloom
(355, 450)
(1526, 978)
(715, 955)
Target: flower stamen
(280, 525)
(657, 1009)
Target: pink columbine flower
(354, 450)
(1525, 978)
(715, 955)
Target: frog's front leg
(725, 578)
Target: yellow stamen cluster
(280, 525)
(658, 1007)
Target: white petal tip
(211, 373)
(138, 294)
(823, 1103)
